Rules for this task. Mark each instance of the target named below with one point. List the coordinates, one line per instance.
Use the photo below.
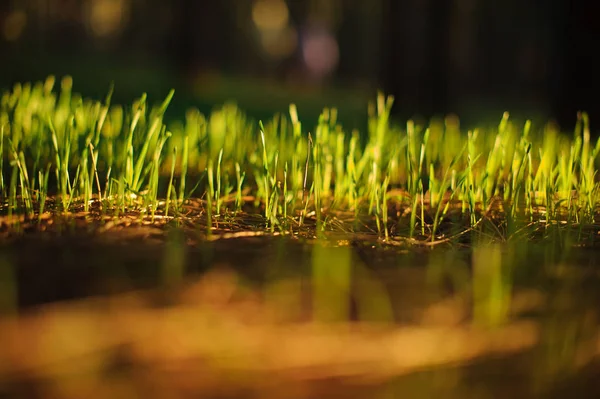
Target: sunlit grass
(415, 183)
(64, 157)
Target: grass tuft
(421, 183)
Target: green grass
(413, 183)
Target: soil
(124, 308)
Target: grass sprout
(421, 182)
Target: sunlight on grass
(355, 201)
(415, 184)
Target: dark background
(475, 58)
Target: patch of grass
(417, 184)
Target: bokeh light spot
(107, 17)
(320, 51)
(279, 44)
(270, 14)
(14, 24)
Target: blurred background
(475, 58)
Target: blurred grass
(202, 89)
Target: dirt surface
(125, 308)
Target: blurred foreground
(147, 312)
(218, 340)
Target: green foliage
(414, 181)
